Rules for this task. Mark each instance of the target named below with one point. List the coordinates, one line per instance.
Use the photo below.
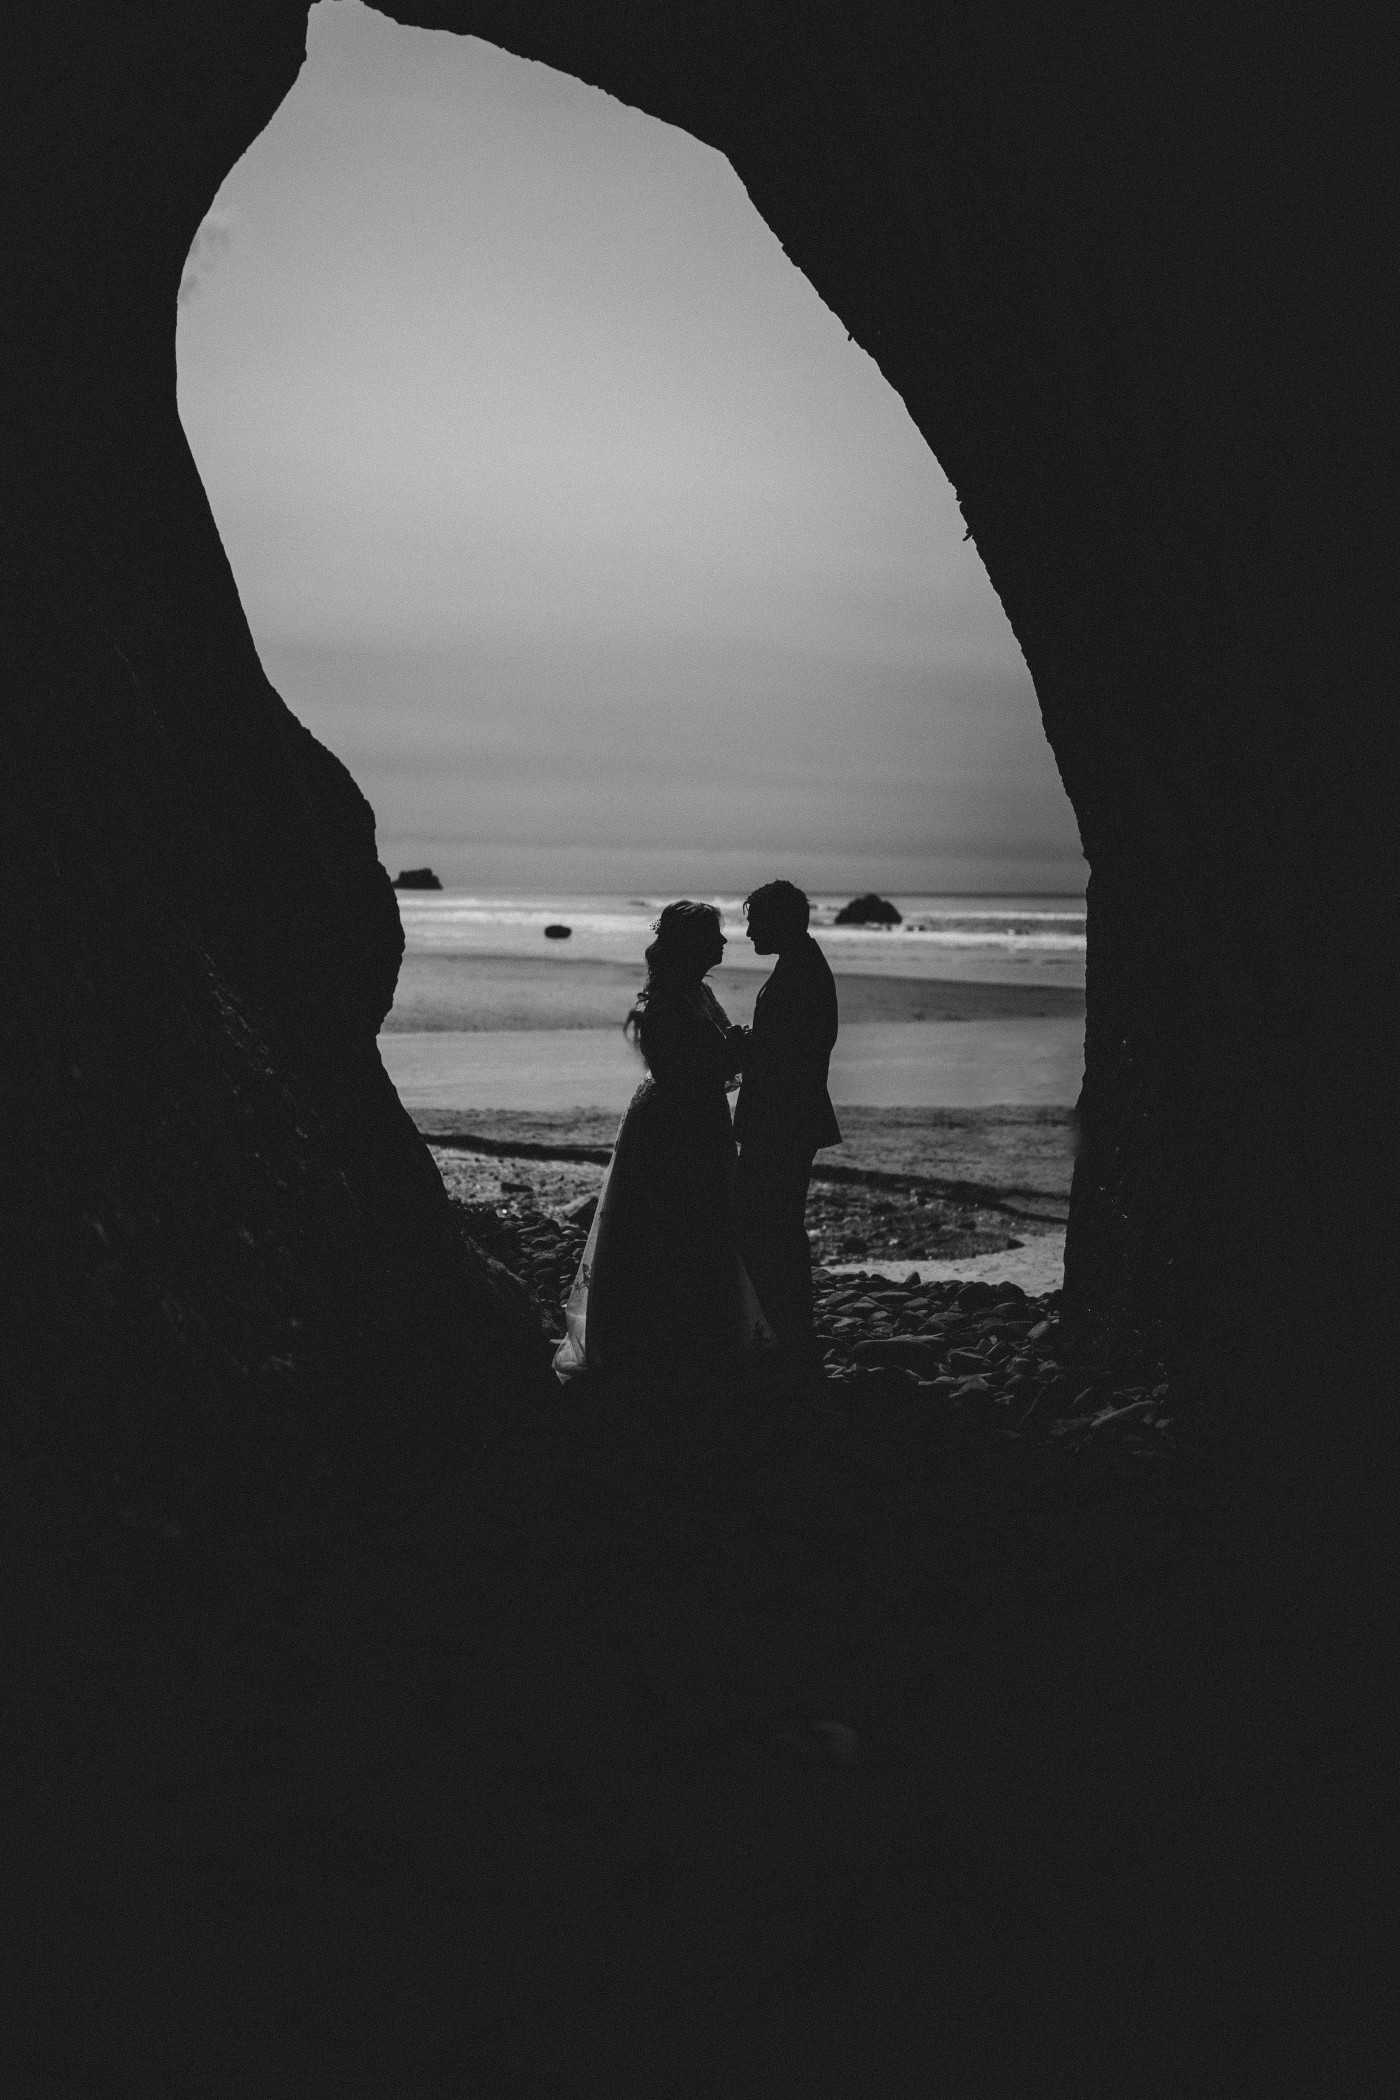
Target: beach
(958, 1062)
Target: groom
(784, 1113)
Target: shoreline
(908, 1188)
(1005, 1151)
(1018, 1201)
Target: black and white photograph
(698, 1238)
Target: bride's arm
(736, 1038)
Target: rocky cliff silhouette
(1123, 271)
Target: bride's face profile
(690, 942)
(713, 951)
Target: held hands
(736, 1043)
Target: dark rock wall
(1125, 268)
(231, 1275)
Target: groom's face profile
(761, 933)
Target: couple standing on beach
(698, 1252)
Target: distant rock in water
(557, 933)
(869, 911)
(416, 879)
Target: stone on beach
(869, 910)
(912, 1350)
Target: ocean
(968, 1002)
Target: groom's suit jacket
(784, 1096)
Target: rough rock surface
(228, 1262)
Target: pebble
(910, 1349)
(1118, 1414)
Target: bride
(661, 1288)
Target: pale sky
(564, 511)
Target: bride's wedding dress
(661, 1288)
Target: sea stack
(869, 911)
(416, 879)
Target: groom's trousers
(770, 1195)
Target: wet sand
(471, 994)
(475, 1034)
(881, 1064)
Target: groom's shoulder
(816, 961)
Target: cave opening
(571, 519)
(511, 408)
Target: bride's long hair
(684, 933)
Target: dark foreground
(937, 1732)
(824, 1748)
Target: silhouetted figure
(661, 1295)
(784, 1113)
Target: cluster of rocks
(855, 1221)
(987, 1350)
(983, 1355)
(543, 1251)
(869, 910)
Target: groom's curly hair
(783, 904)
